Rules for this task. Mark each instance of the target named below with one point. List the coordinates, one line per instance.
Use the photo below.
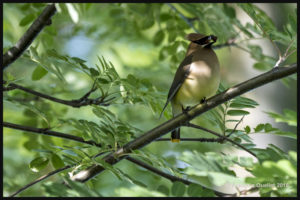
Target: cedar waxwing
(197, 77)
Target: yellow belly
(203, 81)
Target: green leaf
(147, 22)
(247, 129)
(275, 177)
(244, 101)
(164, 17)
(178, 188)
(158, 37)
(38, 164)
(55, 189)
(237, 112)
(259, 17)
(246, 162)
(163, 189)
(293, 22)
(102, 81)
(53, 53)
(80, 189)
(117, 12)
(259, 128)
(57, 161)
(109, 167)
(210, 169)
(27, 19)
(242, 28)
(195, 190)
(94, 72)
(293, 156)
(229, 11)
(78, 60)
(270, 153)
(261, 66)
(240, 105)
(289, 117)
(269, 128)
(286, 134)
(70, 152)
(38, 73)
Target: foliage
(133, 50)
(276, 178)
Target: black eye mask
(206, 40)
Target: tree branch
(188, 21)
(157, 132)
(48, 132)
(166, 175)
(16, 51)
(235, 126)
(219, 140)
(40, 179)
(76, 103)
(220, 136)
(81, 140)
(183, 17)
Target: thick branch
(16, 51)
(159, 131)
(83, 101)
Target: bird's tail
(164, 108)
(175, 135)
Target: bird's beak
(214, 38)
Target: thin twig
(285, 55)
(219, 140)
(76, 103)
(40, 179)
(220, 136)
(242, 48)
(293, 51)
(16, 51)
(183, 17)
(273, 43)
(227, 44)
(166, 175)
(48, 132)
(288, 48)
(236, 126)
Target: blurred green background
(145, 41)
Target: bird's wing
(180, 75)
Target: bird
(196, 79)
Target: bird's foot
(186, 110)
(203, 100)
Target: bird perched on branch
(197, 77)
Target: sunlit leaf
(38, 73)
(27, 19)
(178, 188)
(237, 112)
(38, 164)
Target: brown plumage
(196, 78)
